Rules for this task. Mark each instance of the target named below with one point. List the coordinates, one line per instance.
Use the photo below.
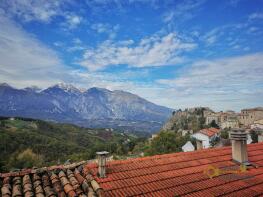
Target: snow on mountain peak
(67, 87)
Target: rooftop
(253, 109)
(176, 174)
(64, 180)
(209, 132)
(182, 174)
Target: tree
(2, 166)
(201, 120)
(25, 159)
(2, 123)
(254, 136)
(167, 142)
(213, 124)
(224, 134)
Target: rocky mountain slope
(188, 119)
(95, 107)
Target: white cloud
(77, 45)
(111, 30)
(168, 16)
(230, 83)
(41, 11)
(72, 21)
(24, 60)
(58, 44)
(22, 66)
(29, 10)
(184, 10)
(256, 15)
(77, 41)
(220, 83)
(233, 3)
(215, 35)
(149, 52)
(212, 36)
(246, 48)
(211, 39)
(241, 71)
(122, 81)
(106, 80)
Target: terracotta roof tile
(61, 181)
(176, 174)
(210, 131)
(179, 174)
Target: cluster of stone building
(230, 119)
(248, 119)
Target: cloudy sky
(174, 53)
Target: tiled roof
(209, 132)
(182, 174)
(176, 174)
(62, 181)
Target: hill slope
(56, 142)
(95, 107)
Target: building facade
(229, 124)
(248, 116)
(212, 117)
(204, 137)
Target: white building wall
(188, 147)
(203, 138)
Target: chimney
(239, 145)
(260, 138)
(102, 163)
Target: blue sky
(174, 53)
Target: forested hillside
(28, 142)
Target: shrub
(25, 159)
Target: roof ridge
(23, 172)
(161, 156)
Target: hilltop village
(211, 129)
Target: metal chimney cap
(102, 153)
(238, 134)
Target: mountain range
(94, 107)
